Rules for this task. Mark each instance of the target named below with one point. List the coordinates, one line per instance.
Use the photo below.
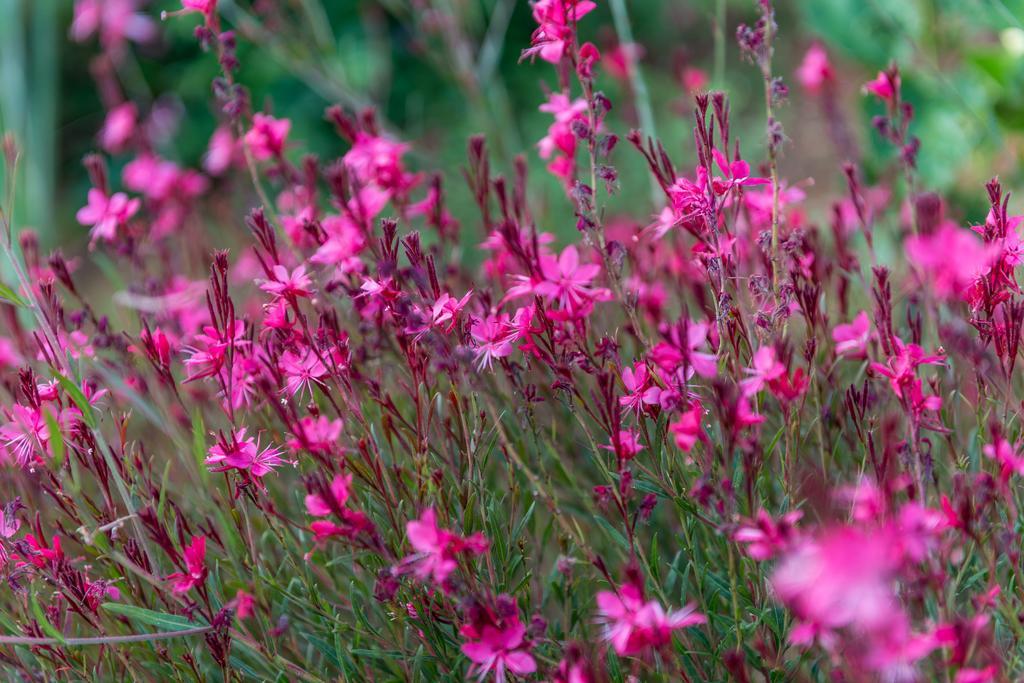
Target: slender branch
(105, 640)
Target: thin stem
(105, 640)
(641, 96)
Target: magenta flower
(437, 549)
(1006, 455)
(302, 371)
(555, 24)
(221, 152)
(320, 506)
(852, 339)
(119, 127)
(951, 259)
(901, 368)
(205, 7)
(815, 71)
(633, 626)
(266, 138)
(445, 312)
(288, 285)
(115, 21)
(567, 282)
(766, 369)
(9, 525)
(494, 337)
(736, 174)
(681, 348)
(195, 567)
(500, 651)
(625, 444)
(377, 159)
(885, 86)
(635, 380)
(843, 579)
(559, 145)
(765, 537)
(243, 453)
(25, 434)
(687, 428)
(332, 501)
(104, 215)
(318, 434)
(208, 359)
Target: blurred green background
(441, 70)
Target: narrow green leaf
(11, 297)
(44, 623)
(199, 444)
(79, 399)
(162, 620)
(56, 438)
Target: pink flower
(119, 127)
(208, 360)
(951, 259)
(626, 444)
(567, 282)
(885, 86)
(40, 554)
(205, 7)
(318, 434)
(106, 214)
(25, 434)
(901, 368)
(737, 174)
(9, 356)
(767, 537)
(815, 70)
(694, 80)
(195, 567)
(501, 651)
(437, 549)
(320, 506)
(293, 285)
(494, 337)
(221, 152)
(766, 369)
(302, 371)
(1006, 455)
(445, 312)
(681, 349)
(243, 453)
(986, 675)
(843, 579)
(687, 428)
(377, 159)
(559, 145)
(9, 525)
(554, 33)
(633, 626)
(635, 380)
(244, 604)
(266, 138)
(332, 502)
(116, 22)
(852, 339)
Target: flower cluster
(336, 445)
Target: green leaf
(44, 623)
(199, 444)
(11, 297)
(162, 620)
(79, 399)
(56, 438)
